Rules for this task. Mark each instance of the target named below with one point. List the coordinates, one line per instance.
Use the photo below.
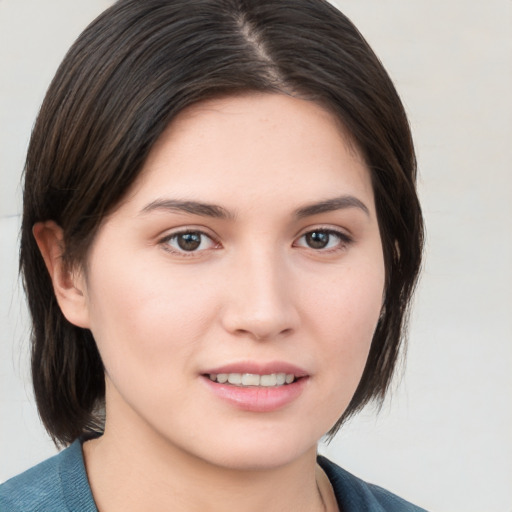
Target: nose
(260, 301)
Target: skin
(254, 290)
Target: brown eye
(323, 239)
(189, 241)
(317, 239)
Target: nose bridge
(261, 303)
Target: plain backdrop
(443, 440)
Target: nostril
(263, 334)
(258, 315)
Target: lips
(257, 387)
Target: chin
(261, 459)
(258, 452)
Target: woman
(220, 239)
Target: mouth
(253, 379)
(257, 387)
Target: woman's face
(248, 251)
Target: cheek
(145, 318)
(345, 318)
(350, 300)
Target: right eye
(188, 242)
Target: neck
(137, 472)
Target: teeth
(252, 379)
(235, 378)
(268, 380)
(281, 379)
(249, 379)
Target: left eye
(189, 241)
(321, 239)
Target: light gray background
(444, 439)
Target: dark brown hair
(124, 80)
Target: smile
(253, 379)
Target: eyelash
(166, 242)
(344, 240)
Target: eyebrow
(193, 207)
(329, 205)
(218, 212)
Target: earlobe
(68, 283)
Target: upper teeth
(252, 379)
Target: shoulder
(35, 489)
(354, 494)
(57, 484)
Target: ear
(69, 284)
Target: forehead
(264, 146)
